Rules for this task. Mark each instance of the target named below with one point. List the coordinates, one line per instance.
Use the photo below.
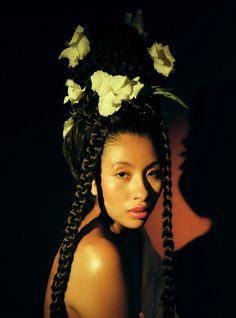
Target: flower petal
(100, 82)
(72, 54)
(125, 92)
(83, 47)
(108, 105)
(162, 58)
(112, 90)
(136, 89)
(78, 47)
(77, 34)
(135, 20)
(162, 69)
(118, 82)
(68, 124)
(75, 92)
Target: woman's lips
(140, 208)
(138, 215)
(139, 212)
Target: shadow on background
(205, 267)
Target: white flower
(162, 58)
(135, 20)
(112, 90)
(68, 124)
(75, 92)
(78, 47)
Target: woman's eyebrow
(154, 163)
(122, 163)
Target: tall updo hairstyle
(118, 50)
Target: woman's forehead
(130, 147)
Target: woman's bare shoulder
(96, 244)
(97, 287)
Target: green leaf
(158, 90)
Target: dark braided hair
(78, 211)
(117, 51)
(167, 235)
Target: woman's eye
(122, 174)
(155, 173)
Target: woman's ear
(94, 188)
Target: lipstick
(138, 215)
(139, 212)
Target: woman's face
(131, 180)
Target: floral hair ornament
(79, 47)
(162, 58)
(135, 20)
(68, 124)
(112, 90)
(75, 92)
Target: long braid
(76, 215)
(167, 235)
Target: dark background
(36, 185)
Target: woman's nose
(140, 191)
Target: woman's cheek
(158, 186)
(112, 184)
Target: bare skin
(98, 267)
(106, 271)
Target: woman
(116, 145)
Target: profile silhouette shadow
(205, 267)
